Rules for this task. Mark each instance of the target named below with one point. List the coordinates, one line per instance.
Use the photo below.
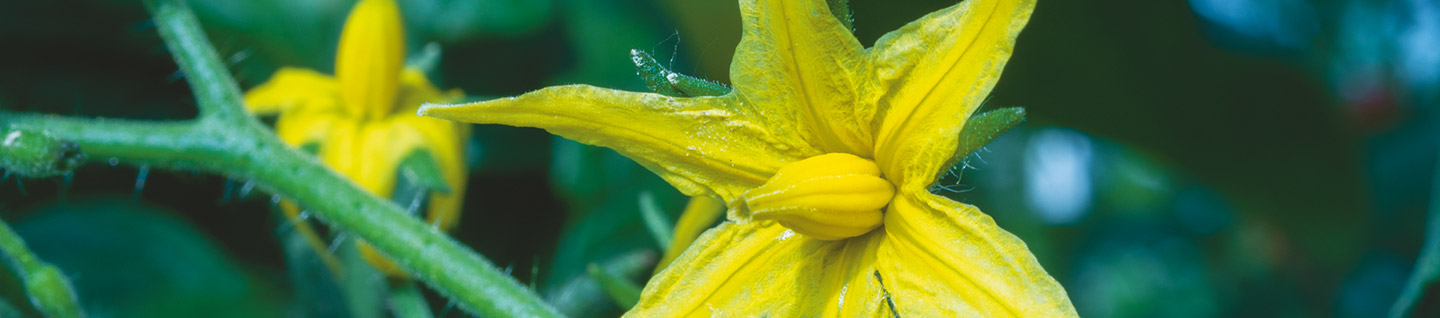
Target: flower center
(829, 197)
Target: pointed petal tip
(425, 109)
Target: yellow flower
(363, 119)
(823, 154)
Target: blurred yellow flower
(363, 119)
(823, 154)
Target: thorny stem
(225, 140)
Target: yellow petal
(803, 67)
(339, 147)
(415, 90)
(370, 154)
(942, 258)
(759, 269)
(375, 155)
(445, 140)
(379, 262)
(292, 89)
(371, 54)
(942, 67)
(698, 216)
(700, 145)
(302, 127)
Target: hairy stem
(216, 93)
(226, 141)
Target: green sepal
(420, 169)
(981, 129)
(582, 295)
(48, 290)
(655, 220)
(625, 293)
(51, 292)
(426, 60)
(841, 10)
(37, 154)
(664, 82)
(406, 300)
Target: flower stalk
(225, 140)
(49, 290)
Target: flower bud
(828, 197)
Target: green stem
(1427, 265)
(224, 140)
(49, 290)
(252, 153)
(216, 93)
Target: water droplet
(114, 161)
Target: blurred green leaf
(1421, 297)
(585, 296)
(604, 229)
(624, 293)
(363, 286)
(660, 226)
(133, 260)
(317, 294)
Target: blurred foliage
(128, 259)
(1198, 169)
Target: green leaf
(134, 260)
